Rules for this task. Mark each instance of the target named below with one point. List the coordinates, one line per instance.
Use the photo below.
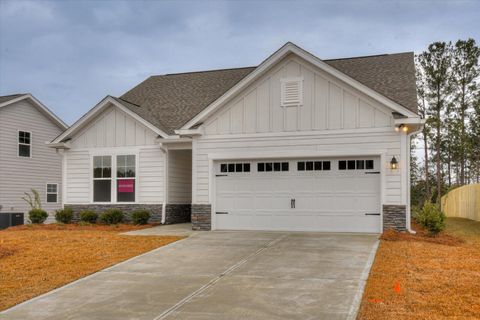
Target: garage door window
(313, 165)
(272, 166)
(235, 167)
(355, 165)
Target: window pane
(130, 172)
(284, 166)
(52, 197)
(326, 165)
(121, 172)
(102, 190)
(52, 188)
(342, 165)
(121, 161)
(317, 165)
(97, 162)
(223, 167)
(369, 164)
(231, 167)
(360, 164)
(351, 164)
(301, 166)
(126, 190)
(23, 150)
(261, 167)
(107, 161)
(309, 165)
(238, 167)
(131, 161)
(276, 166)
(246, 167)
(268, 166)
(106, 172)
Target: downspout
(165, 187)
(409, 222)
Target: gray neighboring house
(26, 161)
(296, 143)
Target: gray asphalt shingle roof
(169, 101)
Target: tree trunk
(438, 146)
(427, 182)
(462, 139)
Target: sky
(71, 54)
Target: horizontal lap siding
(180, 176)
(78, 177)
(384, 141)
(19, 175)
(151, 176)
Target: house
(295, 143)
(26, 161)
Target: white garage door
(334, 195)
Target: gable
(327, 104)
(113, 128)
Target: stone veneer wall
(154, 209)
(394, 217)
(178, 213)
(201, 217)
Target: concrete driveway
(222, 275)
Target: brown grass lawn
(37, 259)
(419, 277)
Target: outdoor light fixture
(393, 163)
(401, 127)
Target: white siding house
(296, 143)
(26, 161)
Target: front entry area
(327, 194)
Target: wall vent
(292, 92)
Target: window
(313, 165)
(355, 164)
(235, 167)
(126, 178)
(272, 166)
(292, 92)
(24, 144)
(52, 192)
(102, 178)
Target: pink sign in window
(126, 186)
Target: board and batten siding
(334, 118)
(180, 176)
(18, 174)
(115, 133)
(327, 105)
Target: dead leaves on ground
(37, 259)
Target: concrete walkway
(222, 275)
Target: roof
(12, 98)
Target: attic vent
(292, 91)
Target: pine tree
(436, 65)
(465, 69)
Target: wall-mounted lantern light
(393, 163)
(401, 127)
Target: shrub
(431, 218)
(37, 215)
(88, 216)
(140, 217)
(64, 215)
(112, 216)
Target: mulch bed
(36, 259)
(423, 277)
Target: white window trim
(113, 189)
(47, 192)
(25, 144)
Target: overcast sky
(71, 54)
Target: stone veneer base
(201, 217)
(394, 217)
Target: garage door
(333, 195)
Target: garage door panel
(332, 200)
